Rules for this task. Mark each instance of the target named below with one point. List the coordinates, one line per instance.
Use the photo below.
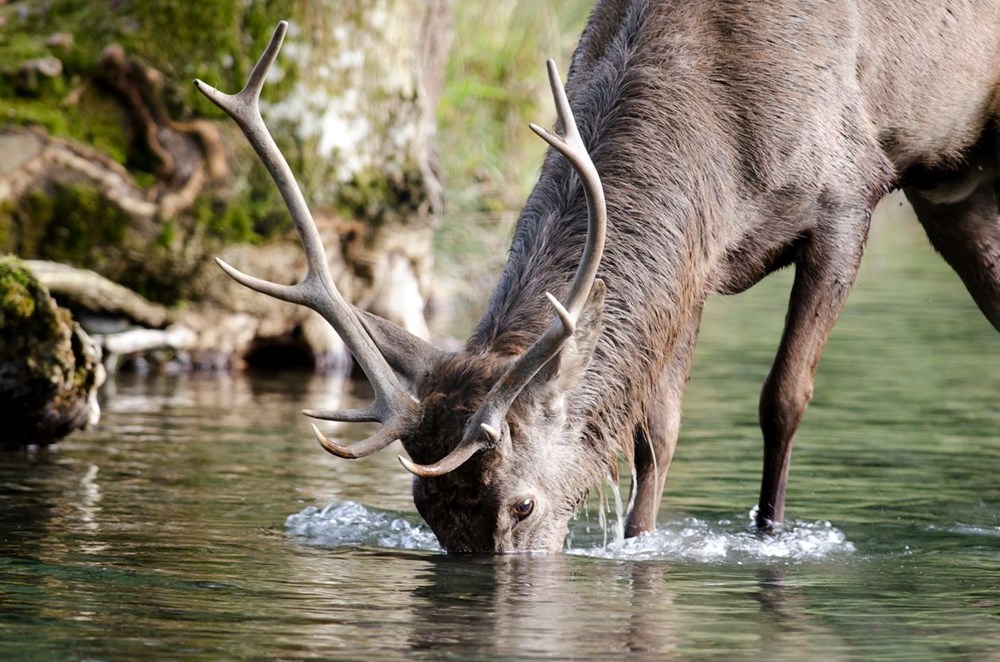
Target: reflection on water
(194, 523)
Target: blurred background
(405, 123)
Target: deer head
(493, 438)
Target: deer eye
(522, 509)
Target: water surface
(201, 521)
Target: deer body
(735, 138)
(732, 138)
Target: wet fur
(733, 138)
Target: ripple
(969, 530)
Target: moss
(46, 371)
(31, 22)
(6, 227)
(31, 83)
(76, 224)
(68, 223)
(167, 236)
(31, 217)
(210, 213)
(33, 329)
(101, 122)
(18, 290)
(378, 196)
(144, 179)
(252, 217)
(20, 45)
(261, 203)
(36, 113)
(219, 42)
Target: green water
(162, 534)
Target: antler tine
(483, 429)
(283, 292)
(366, 415)
(393, 406)
(373, 444)
(449, 463)
(571, 146)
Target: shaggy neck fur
(654, 256)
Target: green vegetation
(18, 289)
(33, 330)
(374, 196)
(74, 99)
(78, 225)
(47, 367)
(208, 40)
(74, 224)
(495, 85)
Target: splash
(696, 540)
(349, 524)
(617, 524)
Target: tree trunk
(111, 161)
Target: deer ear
(408, 355)
(566, 369)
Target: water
(201, 520)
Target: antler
(486, 429)
(393, 407)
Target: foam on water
(692, 539)
(349, 524)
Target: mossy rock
(49, 368)
(76, 224)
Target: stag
(732, 139)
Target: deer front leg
(825, 269)
(656, 439)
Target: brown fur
(733, 138)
